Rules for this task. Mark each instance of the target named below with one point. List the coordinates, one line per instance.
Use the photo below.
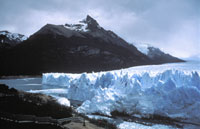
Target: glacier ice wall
(172, 93)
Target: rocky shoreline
(20, 110)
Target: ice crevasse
(171, 93)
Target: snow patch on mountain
(173, 92)
(147, 48)
(142, 48)
(77, 27)
(58, 30)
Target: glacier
(169, 90)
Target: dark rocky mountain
(82, 47)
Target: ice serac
(171, 92)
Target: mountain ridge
(155, 53)
(75, 48)
(9, 40)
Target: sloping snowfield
(171, 90)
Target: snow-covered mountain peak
(92, 23)
(153, 53)
(5, 35)
(85, 25)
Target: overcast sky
(173, 25)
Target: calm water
(34, 85)
(24, 84)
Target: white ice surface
(132, 125)
(171, 90)
(129, 125)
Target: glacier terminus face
(171, 90)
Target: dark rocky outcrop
(19, 102)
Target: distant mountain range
(155, 54)
(81, 47)
(8, 40)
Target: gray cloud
(173, 25)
